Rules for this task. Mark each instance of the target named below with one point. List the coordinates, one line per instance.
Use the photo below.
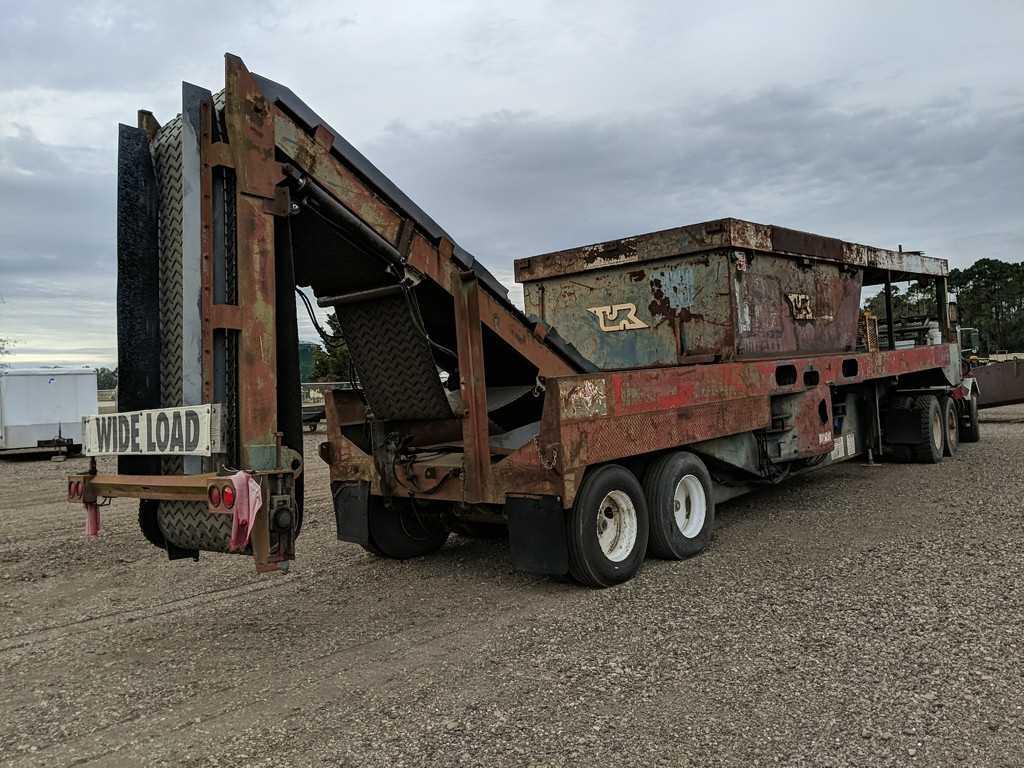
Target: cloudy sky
(530, 126)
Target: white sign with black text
(191, 430)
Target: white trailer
(41, 409)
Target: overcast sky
(530, 126)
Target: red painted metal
(92, 519)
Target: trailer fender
(537, 536)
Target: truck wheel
(681, 506)
(931, 431)
(608, 528)
(951, 423)
(970, 430)
(149, 525)
(398, 530)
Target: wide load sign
(192, 430)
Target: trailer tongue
(702, 360)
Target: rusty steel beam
(315, 158)
(472, 385)
(160, 487)
(250, 128)
(724, 233)
(617, 414)
(434, 258)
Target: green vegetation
(106, 378)
(332, 363)
(990, 294)
(990, 297)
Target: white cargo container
(41, 409)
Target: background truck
(41, 409)
(649, 379)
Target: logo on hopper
(618, 317)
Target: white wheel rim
(616, 526)
(937, 430)
(689, 506)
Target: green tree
(106, 378)
(918, 299)
(333, 362)
(990, 297)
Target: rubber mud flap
(138, 286)
(536, 535)
(351, 511)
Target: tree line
(989, 296)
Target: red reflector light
(229, 496)
(71, 488)
(78, 488)
(214, 496)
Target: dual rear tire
(939, 430)
(970, 429)
(399, 530)
(615, 520)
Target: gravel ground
(862, 616)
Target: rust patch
(584, 400)
(662, 306)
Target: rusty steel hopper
(720, 290)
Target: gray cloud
(115, 44)
(56, 207)
(531, 127)
(932, 176)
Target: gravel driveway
(860, 616)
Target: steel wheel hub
(937, 430)
(617, 526)
(689, 506)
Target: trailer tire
(681, 506)
(399, 531)
(149, 525)
(951, 426)
(607, 528)
(970, 430)
(931, 430)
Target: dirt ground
(860, 616)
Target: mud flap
(138, 286)
(537, 536)
(901, 426)
(351, 511)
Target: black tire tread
(580, 567)
(970, 429)
(658, 544)
(925, 452)
(388, 537)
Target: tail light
(78, 488)
(228, 494)
(214, 495)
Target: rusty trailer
(649, 378)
